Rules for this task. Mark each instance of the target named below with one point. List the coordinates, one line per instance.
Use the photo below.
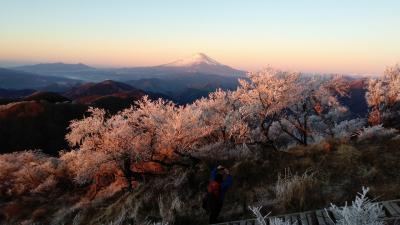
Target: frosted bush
(362, 211)
(397, 137)
(377, 131)
(345, 128)
(279, 221)
(263, 220)
(29, 172)
(84, 165)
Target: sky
(325, 36)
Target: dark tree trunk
(128, 171)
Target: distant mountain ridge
(77, 71)
(110, 95)
(12, 79)
(11, 93)
(197, 63)
(46, 96)
(107, 87)
(185, 88)
(51, 67)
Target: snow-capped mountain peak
(202, 64)
(196, 59)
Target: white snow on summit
(196, 59)
(201, 63)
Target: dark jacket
(224, 186)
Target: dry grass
(293, 189)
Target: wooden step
(310, 219)
(395, 206)
(303, 219)
(320, 217)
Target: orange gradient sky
(357, 37)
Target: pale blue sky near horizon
(319, 36)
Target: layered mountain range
(198, 63)
(183, 80)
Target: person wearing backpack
(220, 182)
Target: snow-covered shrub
(397, 137)
(29, 172)
(294, 187)
(362, 211)
(84, 165)
(256, 210)
(263, 220)
(345, 128)
(281, 140)
(376, 132)
(279, 221)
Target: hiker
(220, 181)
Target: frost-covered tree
(152, 131)
(220, 112)
(285, 108)
(161, 128)
(383, 96)
(316, 110)
(100, 140)
(264, 97)
(271, 107)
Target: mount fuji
(198, 63)
(195, 60)
(201, 63)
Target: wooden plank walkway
(322, 216)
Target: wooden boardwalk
(322, 216)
